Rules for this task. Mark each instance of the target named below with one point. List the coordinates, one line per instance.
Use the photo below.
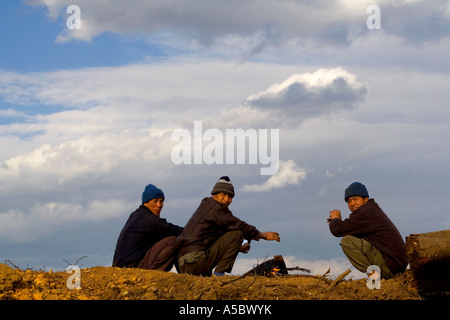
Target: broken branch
(339, 279)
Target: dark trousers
(221, 255)
(161, 256)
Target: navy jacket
(141, 231)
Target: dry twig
(241, 277)
(338, 279)
(75, 262)
(11, 264)
(298, 269)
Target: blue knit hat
(151, 192)
(356, 189)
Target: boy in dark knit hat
(213, 237)
(147, 241)
(369, 236)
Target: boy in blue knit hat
(369, 236)
(147, 241)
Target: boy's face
(223, 198)
(155, 205)
(355, 202)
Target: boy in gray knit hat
(213, 237)
(224, 185)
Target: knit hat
(151, 192)
(356, 189)
(223, 185)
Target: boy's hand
(270, 236)
(334, 214)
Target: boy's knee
(349, 241)
(236, 234)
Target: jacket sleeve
(355, 224)
(156, 225)
(230, 222)
(169, 228)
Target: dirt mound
(108, 283)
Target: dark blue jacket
(141, 231)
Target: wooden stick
(241, 277)
(298, 269)
(324, 279)
(338, 279)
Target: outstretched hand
(270, 236)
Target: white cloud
(311, 94)
(199, 20)
(85, 33)
(252, 26)
(89, 157)
(288, 174)
(300, 97)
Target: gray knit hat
(223, 185)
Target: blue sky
(28, 35)
(86, 118)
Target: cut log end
(429, 259)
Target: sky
(88, 116)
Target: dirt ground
(109, 283)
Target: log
(427, 248)
(429, 260)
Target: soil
(109, 283)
